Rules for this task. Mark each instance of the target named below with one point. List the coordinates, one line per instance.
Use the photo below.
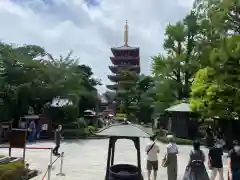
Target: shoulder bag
(165, 161)
(150, 148)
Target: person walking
(171, 155)
(195, 169)
(234, 162)
(58, 138)
(152, 150)
(215, 161)
(32, 131)
(209, 137)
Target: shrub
(75, 133)
(92, 128)
(79, 123)
(63, 115)
(179, 141)
(13, 171)
(160, 132)
(120, 116)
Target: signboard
(18, 138)
(44, 127)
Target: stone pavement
(86, 159)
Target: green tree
(215, 89)
(32, 77)
(145, 97)
(173, 72)
(126, 91)
(137, 96)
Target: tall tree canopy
(215, 90)
(201, 59)
(173, 70)
(30, 76)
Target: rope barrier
(61, 166)
(48, 171)
(28, 148)
(38, 148)
(49, 168)
(45, 173)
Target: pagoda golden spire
(126, 34)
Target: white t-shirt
(153, 153)
(172, 148)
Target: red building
(124, 58)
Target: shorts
(152, 165)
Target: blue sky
(90, 28)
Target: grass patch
(13, 171)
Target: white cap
(170, 136)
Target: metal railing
(51, 163)
(50, 167)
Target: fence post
(51, 156)
(61, 166)
(49, 172)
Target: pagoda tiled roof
(119, 60)
(124, 57)
(125, 47)
(115, 69)
(112, 87)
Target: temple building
(124, 58)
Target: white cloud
(64, 25)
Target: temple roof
(112, 87)
(183, 107)
(118, 68)
(125, 130)
(124, 48)
(125, 60)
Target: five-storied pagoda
(124, 58)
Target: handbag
(209, 164)
(165, 161)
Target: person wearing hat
(172, 151)
(234, 162)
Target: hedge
(179, 141)
(120, 116)
(81, 133)
(13, 171)
(161, 136)
(75, 133)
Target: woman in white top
(172, 152)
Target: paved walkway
(86, 159)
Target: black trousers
(55, 149)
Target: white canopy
(183, 107)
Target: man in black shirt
(215, 161)
(58, 137)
